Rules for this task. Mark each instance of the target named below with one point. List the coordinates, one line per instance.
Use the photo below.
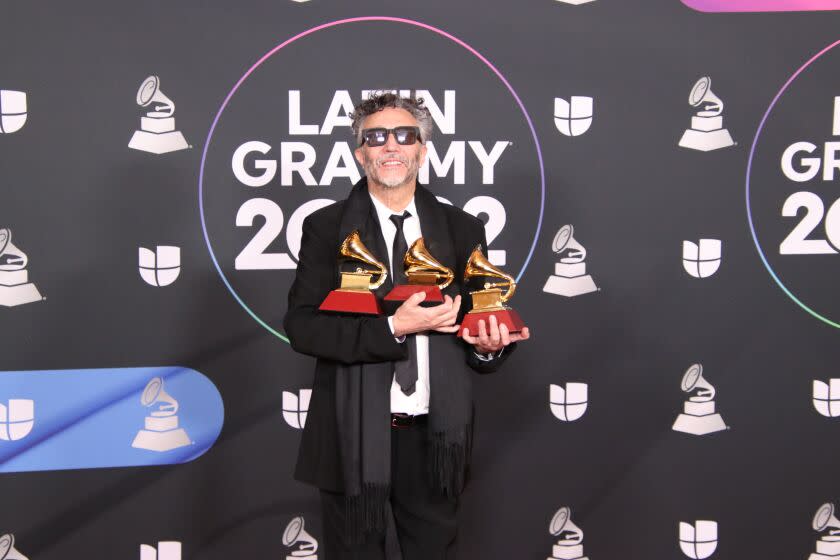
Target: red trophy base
(402, 292)
(507, 317)
(351, 301)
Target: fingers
(504, 334)
(469, 339)
(452, 329)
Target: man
(389, 429)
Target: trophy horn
(478, 265)
(353, 248)
(421, 265)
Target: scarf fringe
(365, 512)
(450, 455)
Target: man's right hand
(411, 318)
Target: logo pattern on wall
(166, 550)
(303, 545)
(295, 407)
(13, 110)
(8, 550)
(570, 278)
(17, 418)
(826, 397)
(157, 132)
(160, 267)
(569, 544)
(698, 416)
(569, 402)
(702, 259)
(15, 287)
(828, 545)
(700, 540)
(574, 117)
(161, 432)
(706, 132)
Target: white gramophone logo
(569, 403)
(706, 132)
(12, 110)
(700, 540)
(703, 259)
(826, 397)
(699, 416)
(295, 535)
(8, 550)
(166, 550)
(828, 547)
(569, 537)
(575, 117)
(15, 287)
(160, 267)
(570, 278)
(157, 132)
(161, 431)
(17, 419)
(295, 408)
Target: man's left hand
(495, 338)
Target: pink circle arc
(321, 27)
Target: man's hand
(411, 318)
(497, 338)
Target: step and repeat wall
(660, 177)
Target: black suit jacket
(450, 234)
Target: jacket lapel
(358, 213)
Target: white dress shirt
(418, 402)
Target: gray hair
(379, 101)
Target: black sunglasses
(405, 135)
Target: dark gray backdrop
(80, 203)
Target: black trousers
(426, 524)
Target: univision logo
(573, 118)
(700, 540)
(826, 397)
(166, 550)
(295, 408)
(569, 402)
(16, 419)
(703, 259)
(12, 110)
(160, 267)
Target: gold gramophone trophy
(423, 272)
(490, 300)
(356, 292)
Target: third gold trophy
(491, 299)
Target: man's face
(391, 165)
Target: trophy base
(402, 292)
(569, 287)
(161, 441)
(699, 425)
(351, 301)
(11, 296)
(507, 317)
(706, 141)
(158, 143)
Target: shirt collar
(384, 213)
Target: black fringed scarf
(363, 391)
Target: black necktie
(405, 371)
